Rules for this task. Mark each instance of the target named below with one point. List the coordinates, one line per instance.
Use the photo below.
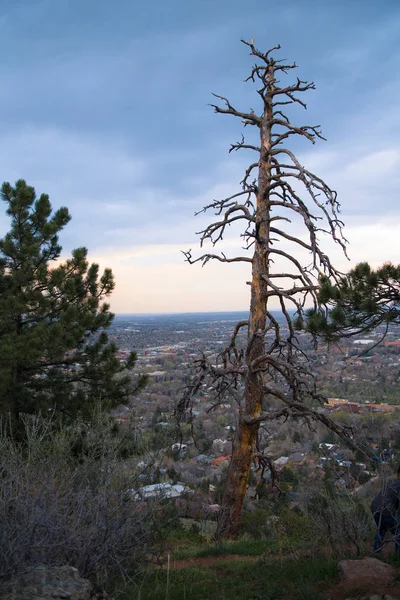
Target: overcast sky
(104, 105)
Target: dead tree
(278, 194)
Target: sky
(105, 107)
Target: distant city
(358, 378)
(146, 330)
(346, 369)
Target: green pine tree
(55, 355)
(358, 302)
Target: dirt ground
(206, 561)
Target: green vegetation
(64, 494)
(54, 352)
(244, 579)
(361, 301)
(291, 556)
(242, 546)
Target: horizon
(196, 312)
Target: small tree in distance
(284, 208)
(54, 352)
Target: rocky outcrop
(368, 571)
(48, 583)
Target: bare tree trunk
(236, 485)
(273, 366)
(246, 438)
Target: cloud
(108, 188)
(167, 284)
(78, 172)
(156, 278)
(366, 178)
(104, 107)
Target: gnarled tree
(283, 208)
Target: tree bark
(246, 437)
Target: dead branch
(270, 363)
(248, 118)
(206, 257)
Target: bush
(294, 526)
(60, 508)
(339, 520)
(288, 475)
(363, 478)
(257, 524)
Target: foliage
(364, 477)
(294, 527)
(257, 524)
(288, 475)
(241, 579)
(54, 352)
(339, 520)
(57, 510)
(357, 302)
(243, 546)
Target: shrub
(339, 520)
(288, 475)
(294, 526)
(61, 506)
(363, 477)
(257, 524)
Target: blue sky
(104, 105)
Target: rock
(373, 597)
(47, 583)
(366, 571)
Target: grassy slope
(245, 569)
(256, 572)
(242, 579)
